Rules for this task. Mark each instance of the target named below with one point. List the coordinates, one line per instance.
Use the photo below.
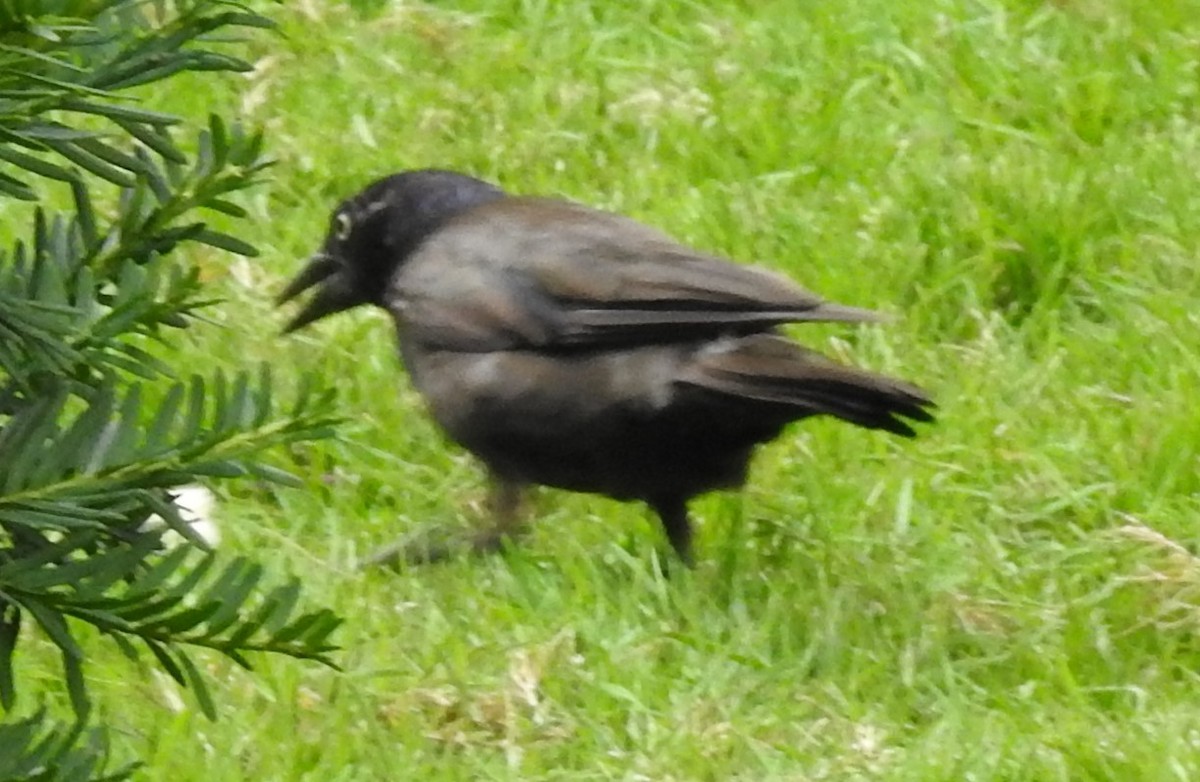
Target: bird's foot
(428, 547)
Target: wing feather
(523, 272)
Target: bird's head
(371, 235)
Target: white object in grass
(195, 504)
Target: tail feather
(776, 372)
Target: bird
(576, 348)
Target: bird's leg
(507, 521)
(426, 547)
(674, 516)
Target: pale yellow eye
(342, 225)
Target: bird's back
(553, 275)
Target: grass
(1013, 596)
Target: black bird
(571, 347)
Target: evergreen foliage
(96, 424)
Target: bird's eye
(342, 225)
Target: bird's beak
(334, 295)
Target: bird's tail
(799, 382)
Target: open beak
(334, 295)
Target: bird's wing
(553, 274)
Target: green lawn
(1013, 596)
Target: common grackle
(571, 347)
